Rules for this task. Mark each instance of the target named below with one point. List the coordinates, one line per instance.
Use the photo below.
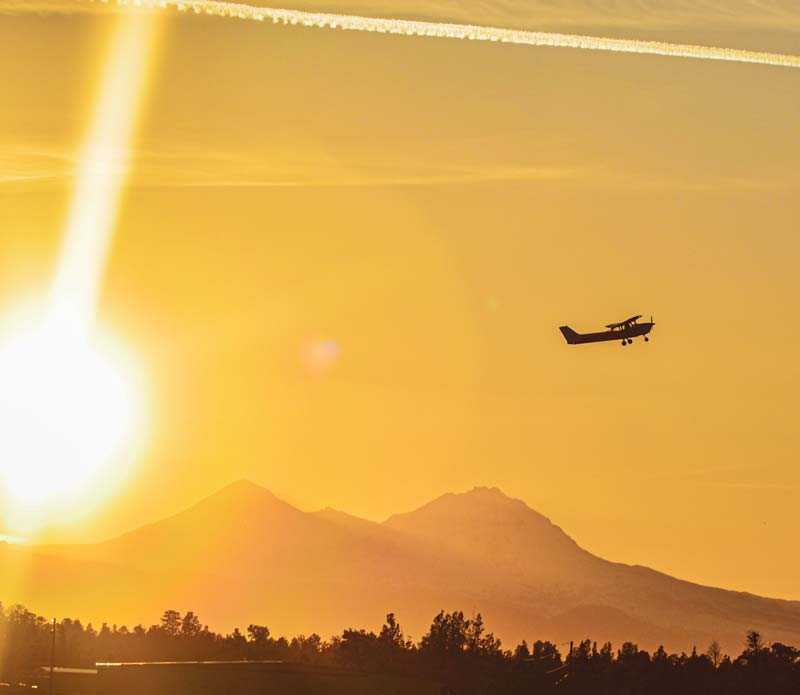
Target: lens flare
(71, 403)
(69, 407)
(102, 172)
(319, 356)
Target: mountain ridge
(242, 555)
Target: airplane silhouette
(625, 331)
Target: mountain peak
(485, 521)
(490, 495)
(241, 502)
(242, 552)
(478, 501)
(243, 487)
(241, 498)
(483, 491)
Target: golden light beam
(71, 407)
(102, 172)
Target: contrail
(440, 30)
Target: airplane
(625, 331)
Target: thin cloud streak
(427, 29)
(630, 14)
(39, 165)
(14, 7)
(468, 32)
(749, 486)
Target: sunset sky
(341, 259)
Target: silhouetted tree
(714, 653)
(171, 623)
(190, 626)
(457, 652)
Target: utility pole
(52, 656)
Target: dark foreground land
(230, 678)
(457, 656)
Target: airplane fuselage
(625, 333)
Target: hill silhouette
(243, 555)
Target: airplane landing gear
(624, 343)
(646, 339)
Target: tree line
(457, 651)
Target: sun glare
(71, 417)
(71, 407)
(103, 169)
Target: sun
(71, 402)
(71, 418)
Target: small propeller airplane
(625, 331)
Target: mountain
(244, 556)
(580, 594)
(503, 531)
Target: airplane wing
(623, 324)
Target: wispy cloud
(31, 165)
(34, 163)
(734, 476)
(750, 485)
(49, 6)
(238, 171)
(644, 14)
(475, 28)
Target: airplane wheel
(646, 339)
(630, 341)
(624, 343)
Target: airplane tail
(570, 336)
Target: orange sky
(434, 210)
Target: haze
(342, 258)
